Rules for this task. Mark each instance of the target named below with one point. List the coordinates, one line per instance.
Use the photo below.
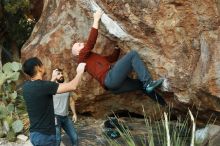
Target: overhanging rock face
(178, 40)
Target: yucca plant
(10, 101)
(159, 133)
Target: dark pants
(40, 139)
(117, 79)
(67, 125)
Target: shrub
(11, 102)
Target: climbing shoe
(113, 122)
(111, 133)
(152, 85)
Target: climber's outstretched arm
(97, 16)
(85, 52)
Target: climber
(38, 96)
(115, 77)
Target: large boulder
(177, 39)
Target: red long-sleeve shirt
(96, 64)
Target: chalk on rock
(165, 85)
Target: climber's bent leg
(119, 72)
(129, 85)
(143, 73)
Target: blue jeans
(40, 139)
(117, 79)
(67, 125)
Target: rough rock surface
(177, 39)
(208, 136)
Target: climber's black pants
(117, 79)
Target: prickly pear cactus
(10, 72)
(17, 126)
(3, 112)
(9, 99)
(2, 134)
(11, 136)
